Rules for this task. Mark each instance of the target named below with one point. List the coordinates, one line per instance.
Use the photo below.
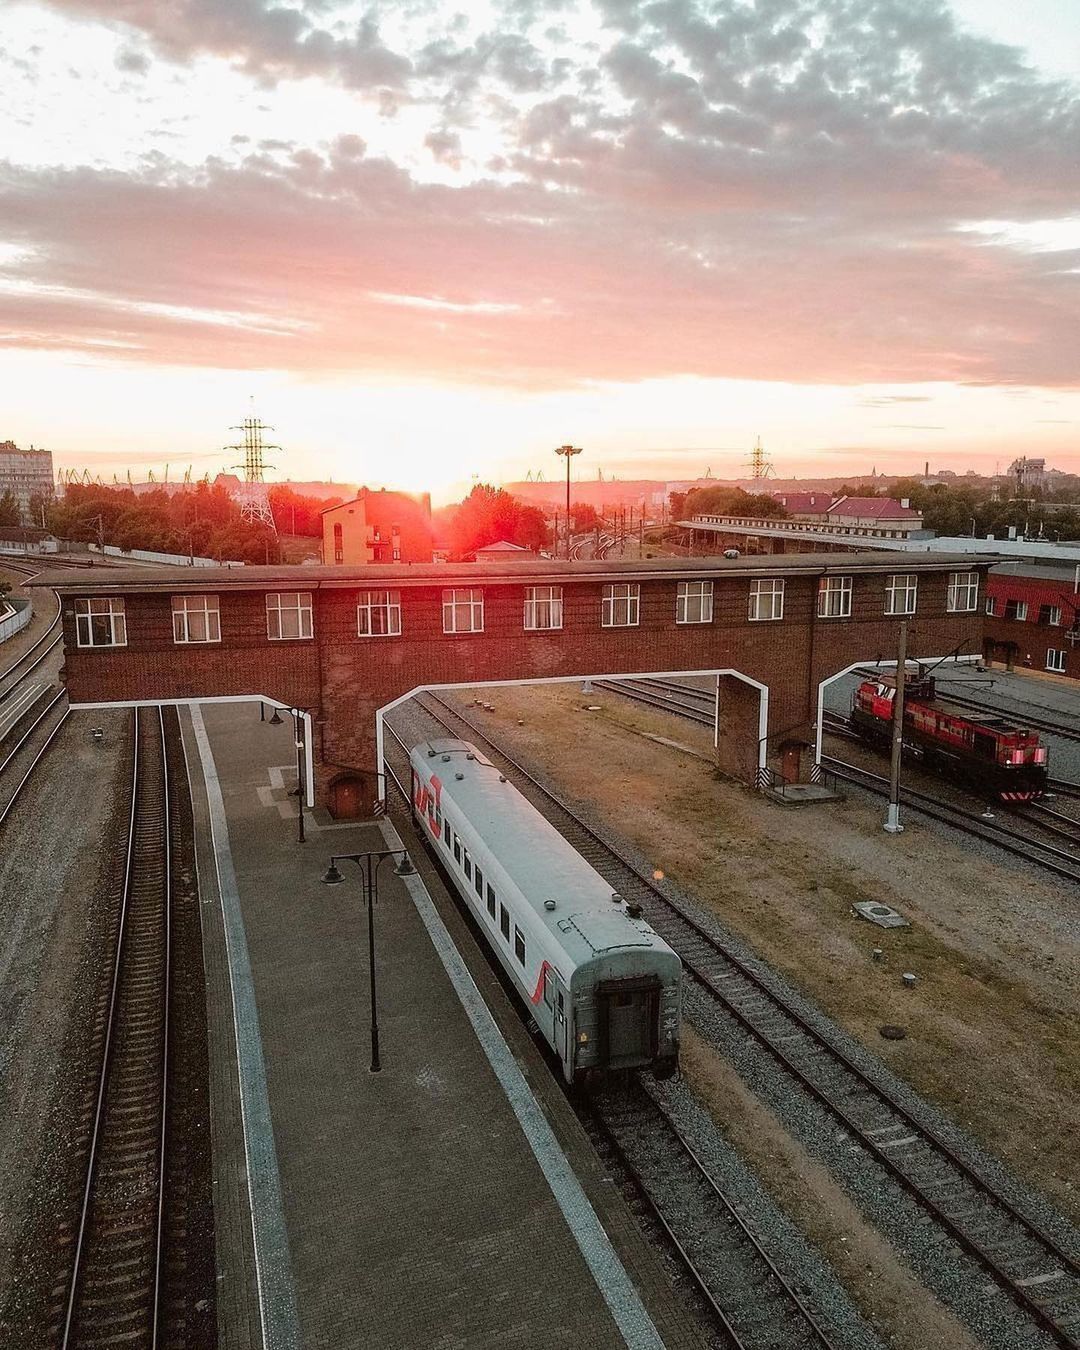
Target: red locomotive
(981, 749)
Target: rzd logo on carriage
(426, 799)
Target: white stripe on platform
(618, 1290)
(273, 1268)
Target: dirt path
(991, 1022)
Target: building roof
(874, 508)
(804, 503)
(503, 546)
(362, 494)
(305, 578)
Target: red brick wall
(343, 679)
(1025, 642)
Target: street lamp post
(569, 451)
(369, 864)
(298, 736)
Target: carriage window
(519, 944)
(478, 882)
(549, 998)
(446, 831)
(491, 901)
(457, 849)
(504, 921)
(467, 864)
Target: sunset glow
(433, 247)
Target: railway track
(1038, 1275)
(1062, 862)
(112, 1294)
(20, 669)
(696, 706)
(742, 1289)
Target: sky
(429, 245)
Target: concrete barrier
(14, 616)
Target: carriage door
(557, 1007)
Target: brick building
(341, 645)
(25, 474)
(1033, 618)
(378, 527)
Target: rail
(1025, 1261)
(114, 1288)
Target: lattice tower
(254, 498)
(760, 464)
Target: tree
(489, 515)
(584, 517)
(9, 509)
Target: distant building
(1028, 472)
(804, 505)
(504, 551)
(378, 527)
(25, 474)
(1033, 617)
(878, 513)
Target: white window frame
(300, 606)
(109, 608)
(762, 590)
(694, 602)
(908, 592)
(1021, 611)
(990, 605)
(622, 605)
(1054, 621)
(187, 611)
(543, 608)
(963, 587)
(384, 603)
(459, 602)
(836, 589)
(1057, 667)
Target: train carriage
(603, 987)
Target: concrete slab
(431, 1204)
(802, 794)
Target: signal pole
(892, 820)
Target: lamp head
(332, 877)
(403, 867)
(277, 719)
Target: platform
(437, 1203)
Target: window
(693, 604)
(963, 597)
(100, 623)
(834, 598)
(288, 614)
(621, 604)
(478, 882)
(457, 849)
(1055, 660)
(767, 599)
(378, 614)
(446, 831)
(339, 550)
(1051, 615)
(491, 900)
(543, 607)
(463, 611)
(900, 590)
(990, 604)
(466, 863)
(1016, 609)
(504, 922)
(519, 944)
(196, 618)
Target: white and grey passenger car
(602, 986)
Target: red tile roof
(875, 508)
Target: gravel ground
(51, 883)
(956, 1281)
(801, 1264)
